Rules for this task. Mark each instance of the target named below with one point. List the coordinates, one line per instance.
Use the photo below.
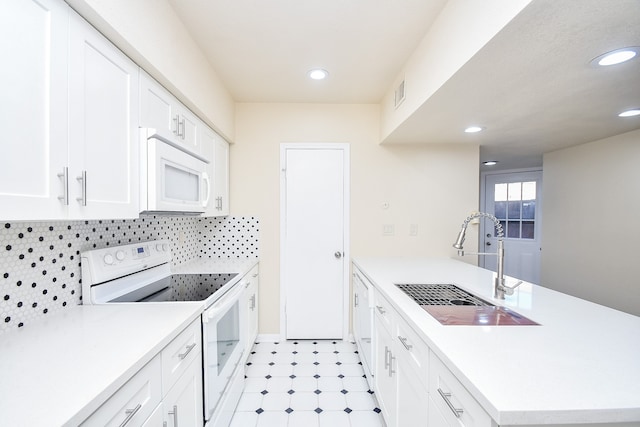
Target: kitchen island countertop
(580, 365)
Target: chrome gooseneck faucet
(499, 286)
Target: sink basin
(451, 305)
(441, 294)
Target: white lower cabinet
(134, 402)
(183, 403)
(455, 405)
(401, 369)
(167, 392)
(384, 379)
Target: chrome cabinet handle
(83, 181)
(380, 309)
(189, 348)
(404, 343)
(65, 186)
(391, 359)
(175, 415)
(355, 300)
(176, 131)
(338, 254)
(130, 414)
(253, 302)
(184, 128)
(386, 357)
(457, 412)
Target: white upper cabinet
(216, 150)
(162, 111)
(70, 117)
(103, 126)
(33, 112)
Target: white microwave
(173, 178)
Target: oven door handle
(223, 304)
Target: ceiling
(532, 86)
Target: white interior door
(314, 217)
(515, 199)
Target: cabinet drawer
(134, 402)
(179, 353)
(413, 351)
(384, 312)
(454, 402)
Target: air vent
(399, 94)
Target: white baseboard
(268, 338)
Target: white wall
(460, 31)
(151, 34)
(435, 187)
(591, 231)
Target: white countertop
(60, 370)
(582, 365)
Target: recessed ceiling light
(473, 129)
(616, 56)
(318, 74)
(629, 113)
(490, 163)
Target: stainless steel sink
(441, 294)
(451, 305)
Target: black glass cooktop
(179, 287)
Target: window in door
(515, 207)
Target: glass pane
(529, 190)
(180, 184)
(514, 210)
(500, 193)
(515, 191)
(513, 229)
(500, 209)
(529, 210)
(228, 328)
(528, 230)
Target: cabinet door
(103, 127)
(33, 112)
(252, 302)
(221, 176)
(183, 403)
(413, 397)
(385, 376)
(155, 106)
(216, 150)
(188, 125)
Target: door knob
(338, 254)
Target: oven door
(176, 180)
(222, 347)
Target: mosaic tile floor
(306, 384)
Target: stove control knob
(108, 259)
(120, 255)
(159, 247)
(165, 247)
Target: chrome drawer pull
(391, 359)
(130, 414)
(457, 412)
(189, 348)
(175, 415)
(404, 343)
(83, 181)
(386, 357)
(380, 309)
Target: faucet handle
(509, 289)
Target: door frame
(483, 207)
(345, 147)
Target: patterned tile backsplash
(40, 261)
